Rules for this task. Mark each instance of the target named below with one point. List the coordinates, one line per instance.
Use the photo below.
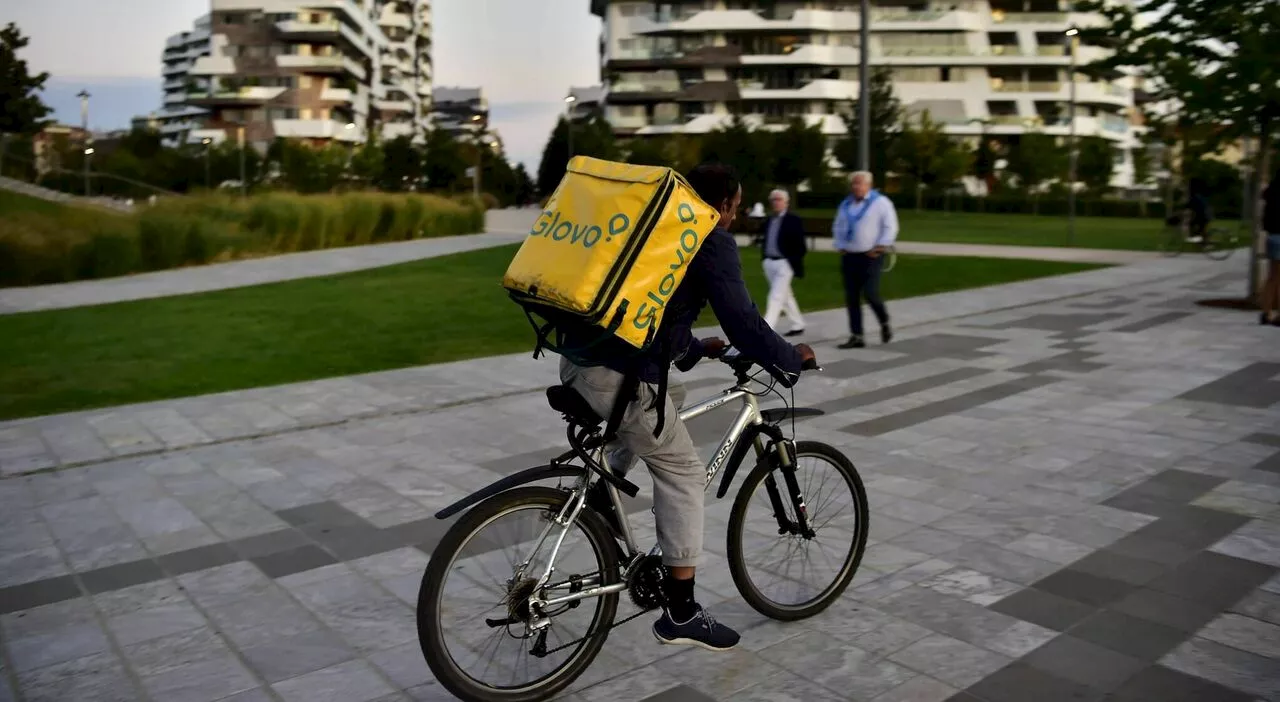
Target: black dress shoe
(854, 342)
(886, 334)
(794, 332)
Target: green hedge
(41, 244)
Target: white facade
(999, 67)
(329, 70)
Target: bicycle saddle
(568, 402)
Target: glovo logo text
(551, 224)
(645, 313)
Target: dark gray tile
(1103, 302)
(1058, 322)
(358, 543)
(1160, 684)
(1019, 682)
(1117, 566)
(120, 576)
(1251, 386)
(1165, 609)
(198, 558)
(1189, 484)
(423, 533)
(1271, 464)
(1264, 439)
(1152, 322)
(1193, 527)
(854, 367)
(889, 392)
(1070, 362)
(1084, 587)
(679, 693)
(16, 598)
(1043, 608)
(1084, 663)
(278, 565)
(320, 513)
(1213, 580)
(949, 406)
(1149, 548)
(1132, 636)
(1143, 502)
(269, 543)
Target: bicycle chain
(612, 626)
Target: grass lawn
(1025, 230)
(429, 311)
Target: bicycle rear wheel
(788, 576)
(1220, 244)
(471, 582)
(1172, 239)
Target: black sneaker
(795, 332)
(701, 631)
(854, 342)
(886, 334)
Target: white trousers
(781, 299)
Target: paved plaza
(1074, 486)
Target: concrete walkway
(1074, 490)
(502, 227)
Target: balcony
(316, 129)
(821, 89)
(391, 18)
(703, 21)
(249, 95)
(337, 95)
(322, 64)
(394, 130)
(926, 50)
(1016, 86)
(393, 105)
(177, 69)
(1028, 17)
(213, 66)
(641, 86)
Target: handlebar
(741, 364)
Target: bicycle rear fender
(528, 475)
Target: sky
(525, 54)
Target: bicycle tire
(737, 523)
(1219, 245)
(430, 631)
(1171, 242)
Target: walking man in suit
(866, 225)
(784, 251)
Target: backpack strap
(627, 393)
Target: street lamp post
(84, 125)
(1073, 154)
(479, 140)
(208, 171)
(864, 89)
(568, 122)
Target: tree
(401, 165)
(748, 151)
(367, 163)
(1216, 60)
(1095, 163)
(21, 109)
(591, 137)
(1035, 159)
(799, 154)
(927, 157)
(445, 167)
(886, 118)
(649, 151)
(526, 191)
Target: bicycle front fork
(783, 455)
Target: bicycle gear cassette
(644, 584)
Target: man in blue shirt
(679, 476)
(866, 225)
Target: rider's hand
(806, 354)
(713, 347)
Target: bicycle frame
(749, 420)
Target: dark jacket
(790, 240)
(715, 277)
(1271, 208)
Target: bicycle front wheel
(790, 576)
(1172, 239)
(1220, 244)
(474, 616)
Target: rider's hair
(715, 183)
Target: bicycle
(1217, 243)
(537, 600)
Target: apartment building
(176, 118)
(464, 113)
(320, 70)
(989, 69)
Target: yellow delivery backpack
(609, 249)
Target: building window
(282, 113)
(233, 18)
